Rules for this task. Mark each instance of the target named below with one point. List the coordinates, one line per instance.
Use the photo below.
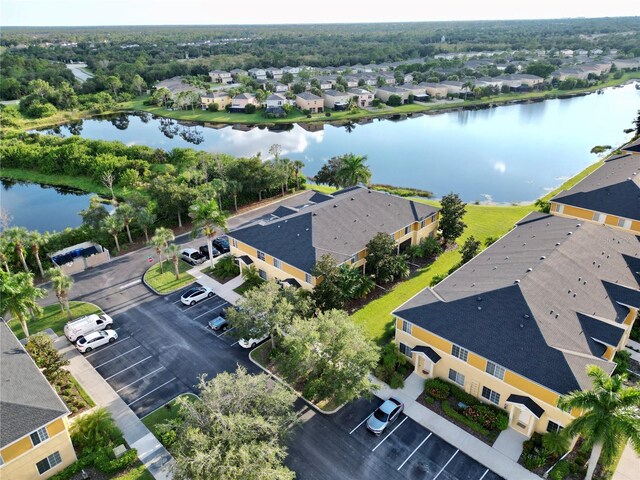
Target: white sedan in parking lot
(96, 339)
(196, 294)
(251, 342)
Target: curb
(298, 394)
(156, 291)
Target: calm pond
(42, 207)
(507, 154)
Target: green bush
(437, 279)
(533, 461)
(503, 422)
(250, 108)
(112, 465)
(213, 107)
(555, 443)
(476, 427)
(327, 114)
(226, 266)
(481, 414)
(429, 400)
(95, 430)
(436, 388)
(396, 381)
(462, 396)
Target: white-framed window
(405, 349)
(624, 223)
(495, 370)
(493, 397)
(263, 274)
(423, 223)
(406, 326)
(599, 217)
(48, 463)
(559, 208)
(260, 255)
(553, 427)
(407, 229)
(39, 436)
(1, 460)
(460, 352)
(308, 278)
(456, 377)
(234, 242)
(354, 259)
(277, 263)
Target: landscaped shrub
(476, 427)
(112, 465)
(481, 414)
(503, 422)
(396, 381)
(327, 114)
(95, 430)
(437, 279)
(462, 396)
(533, 460)
(249, 108)
(226, 266)
(535, 442)
(555, 443)
(436, 388)
(213, 107)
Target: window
(308, 278)
(406, 326)
(405, 349)
(277, 263)
(39, 436)
(260, 255)
(234, 242)
(407, 229)
(553, 427)
(354, 259)
(1, 461)
(559, 208)
(624, 223)
(599, 217)
(456, 377)
(48, 463)
(495, 370)
(423, 223)
(263, 274)
(459, 352)
(493, 397)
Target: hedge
(436, 388)
(100, 460)
(476, 427)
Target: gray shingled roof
(613, 188)
(308, 96)
(552, 287)
(533, 407)
(339, 226)
(27, 401)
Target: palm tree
(113, 224)
(4, 248)
(207, 219)
(467, 87)
(219, 186)
(298, 165)
(127, 214)
(172, 252)
(62, 284)
(37, 240)
(609, 415)
(234, 187)
(353, 170)
(17, 236)
(161, 241)
(19, 297)
(145, 220)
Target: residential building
(388, 77)
(363, 97)
(309, 101)
(34, 430)
(257, 73)
(240, 101)
(327, 82)
(336, 99)
(627, 63)
(220, 76)
(291, 70)
(221, 98)
(609, 195)
(509, 80)
(568, 72)
(566, 53)
(176, 85)
(275, 100)
(274, 72)
(280, 88)
(435, 90)
(531, 81)
(454, 87)
(418, 91)
(488, 82)
(383, 93)
(236, 73)
(288, 246)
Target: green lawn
(55, 319)
(166, 282)
(243, 288)
(165, 413)
(138, 472)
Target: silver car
(385, 415)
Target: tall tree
(145, 219)
(161, 241)
(452, 212)
(19, 297)
(127, 214)
(298, 165)
(609, 416)
(173, 253)
(138, 84)
(469, 249)
(353, 170)
(234, 187)
(237, 431)
(95, 214)
(4, 249)
(328, 292)
(62, 284)
(108, 180)
(114, 84)
(36, 240)
(383, 261)
(113, 225)
(17, 236)
(208, 220)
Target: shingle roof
(429, 352)
(552, 289)
(308, 96)
(335, 93)
(27, 401)
(533, 407)
(340, 226)
(613, 188)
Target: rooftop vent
(542, 257)
(479, 299)
(521, 325)
(577, 225)
(557, 244)
(517, 280)
(529, 269)
(526, 315)
(335, 206)
(570, 233)
(479, 308)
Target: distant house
(596, 51)
(352, 81)
(291, 70)
(280, 88)
(327, 82)
(238, 72)
(435, 90)
(273, 72)
(309, 101)
(531, 81)
(363, 97)
(221, 98)
(419, 92)
(389, 78)
(176, 85)
(509, 81)
(487, 82)
(220, 76)
(335, 99)
(257, 73)
(240, 101)
(566, 53)
(455, 87)
(384, 93)
(627, 63)
(275, 100)
(564, 73)
(582, 52)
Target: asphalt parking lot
(405, 450)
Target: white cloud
(500, 167)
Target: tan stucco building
(309, 101)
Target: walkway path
(223, 290)
(475, 448)
(150, 452)
(629, 465)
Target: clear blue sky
(217, 12)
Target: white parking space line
(390, 433)
(205, 313)
(130, 284)
(130, 366)
(445, 465)
(484, 474)
(116, 357)
(110, 345)
(149, 393)
(358, 426)
(140, 379)
(225, 332)
(234, 343)
(416, 449)
(177, 301)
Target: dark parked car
(219, 323)
(221, 243)
(204, 251)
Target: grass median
(166, 282)
(55, 319)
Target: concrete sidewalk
(629, 465)
(467, 443)
(150, 451)
(223, 290)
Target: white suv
(96, 339)
(192, 256)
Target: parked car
(96, 339)
(221, 243)
(219, 323)
(195, 294)
(192, 256)
(252, 342)
(86, 325)
(204, 251)
(385, 415)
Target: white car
(96, 339)
(86, 325)
(192, 256)
(252, 342)
(195, 294)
